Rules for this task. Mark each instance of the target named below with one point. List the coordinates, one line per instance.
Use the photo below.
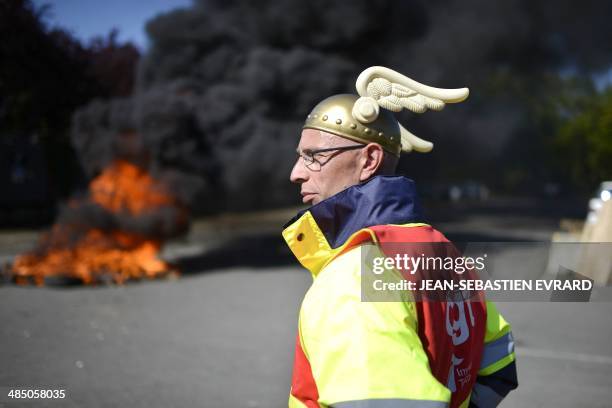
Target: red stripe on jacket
(303, 386)
(432, 316)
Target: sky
(86, 19)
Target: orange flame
(120, 188)
(126, 187)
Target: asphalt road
(213, 340)
(222, 336)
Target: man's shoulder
(411, 232)
(344, 270)
(341, 277)
(335, 296)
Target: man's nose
(299, 173)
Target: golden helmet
(334, 115)
(368, 117)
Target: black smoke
(223, 90)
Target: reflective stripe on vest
(496, 351)
(390, 403)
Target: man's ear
(372, 158)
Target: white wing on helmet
(383, 87)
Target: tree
(584, 140)
(46, 74)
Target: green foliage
(584, 139)
(46, 74)
(565, 135)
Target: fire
(126, 187)
(90, 253)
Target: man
(354, 353)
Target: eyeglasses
(309, 156)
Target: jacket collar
(319, 233)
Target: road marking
(563, 355)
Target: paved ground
(212, 340)
(222, 335)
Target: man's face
(338, 171)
